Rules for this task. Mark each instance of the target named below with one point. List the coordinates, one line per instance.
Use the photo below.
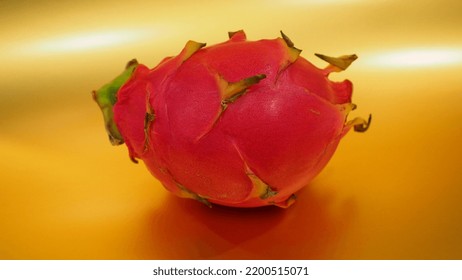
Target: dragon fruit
(240, 123)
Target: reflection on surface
(311, 230)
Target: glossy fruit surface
(241, 123)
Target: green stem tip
(106, 97)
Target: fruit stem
(106, 97)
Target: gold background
(394, 192)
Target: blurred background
(394, 192)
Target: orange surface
(394, 192)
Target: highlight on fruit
(241, 123)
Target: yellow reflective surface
(394, 192)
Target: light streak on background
(412, 58)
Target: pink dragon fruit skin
(241, 123)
